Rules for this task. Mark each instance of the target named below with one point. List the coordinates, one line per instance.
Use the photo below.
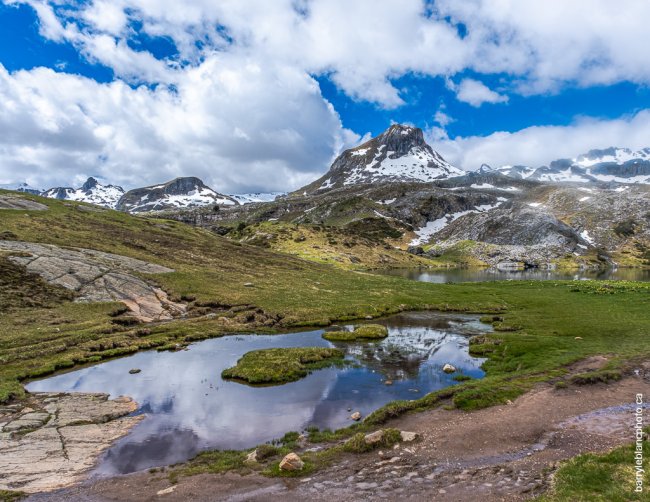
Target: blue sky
(260, 96)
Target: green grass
(275, 366)
(288, 292)
(608, 477)
(363, 332)
(358, 444)
(11, 496)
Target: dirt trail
(500, 453)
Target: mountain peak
(180, 192)
(89, 184)
(399, 154)
(91, 191)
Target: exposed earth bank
(506, 452)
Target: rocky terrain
(506, 217)
(52, 440)
(97, 277)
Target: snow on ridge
(248, 198)
(585, 236)
(616, 155)
(414, 166)
(98, 194)
(433, 227)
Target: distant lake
(190, 408)
(444, 275)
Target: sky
(258, 95)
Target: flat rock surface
(52, 440)
(17, 202)
(98, 277)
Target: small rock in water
(388, 382)
(291, 462)
(448, 368)
(134, 371)
(349, 409)
(356, 416)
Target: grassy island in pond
(275, 366)
(363, 332)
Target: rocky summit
(184, 192)
(398, 154)
(92, 191)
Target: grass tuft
(363, 332)
(275, 366)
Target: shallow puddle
(190, 408)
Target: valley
(224, 287)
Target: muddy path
(504, 453)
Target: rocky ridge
(399, 154)
(92, 191)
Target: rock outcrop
(52, 440)
(17, 202)
(98, 277)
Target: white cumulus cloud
(476, 93)
(538, 145)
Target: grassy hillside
(252, 288)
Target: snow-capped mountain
(611, 165)
(398, 154)
(21, 187)
(248, 198)
(179, 193)
(92, 191)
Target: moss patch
(11, 496)
(274, 366)
(608, 477)
(363, 332)
(358, 443)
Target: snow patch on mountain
(611, 165)
(180, 193)
(399, 154)
(92, 192)
(425, 233)
(248, 198)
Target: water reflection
(190, 408)
(441, 276)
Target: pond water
(190, 408)
(442, 276)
